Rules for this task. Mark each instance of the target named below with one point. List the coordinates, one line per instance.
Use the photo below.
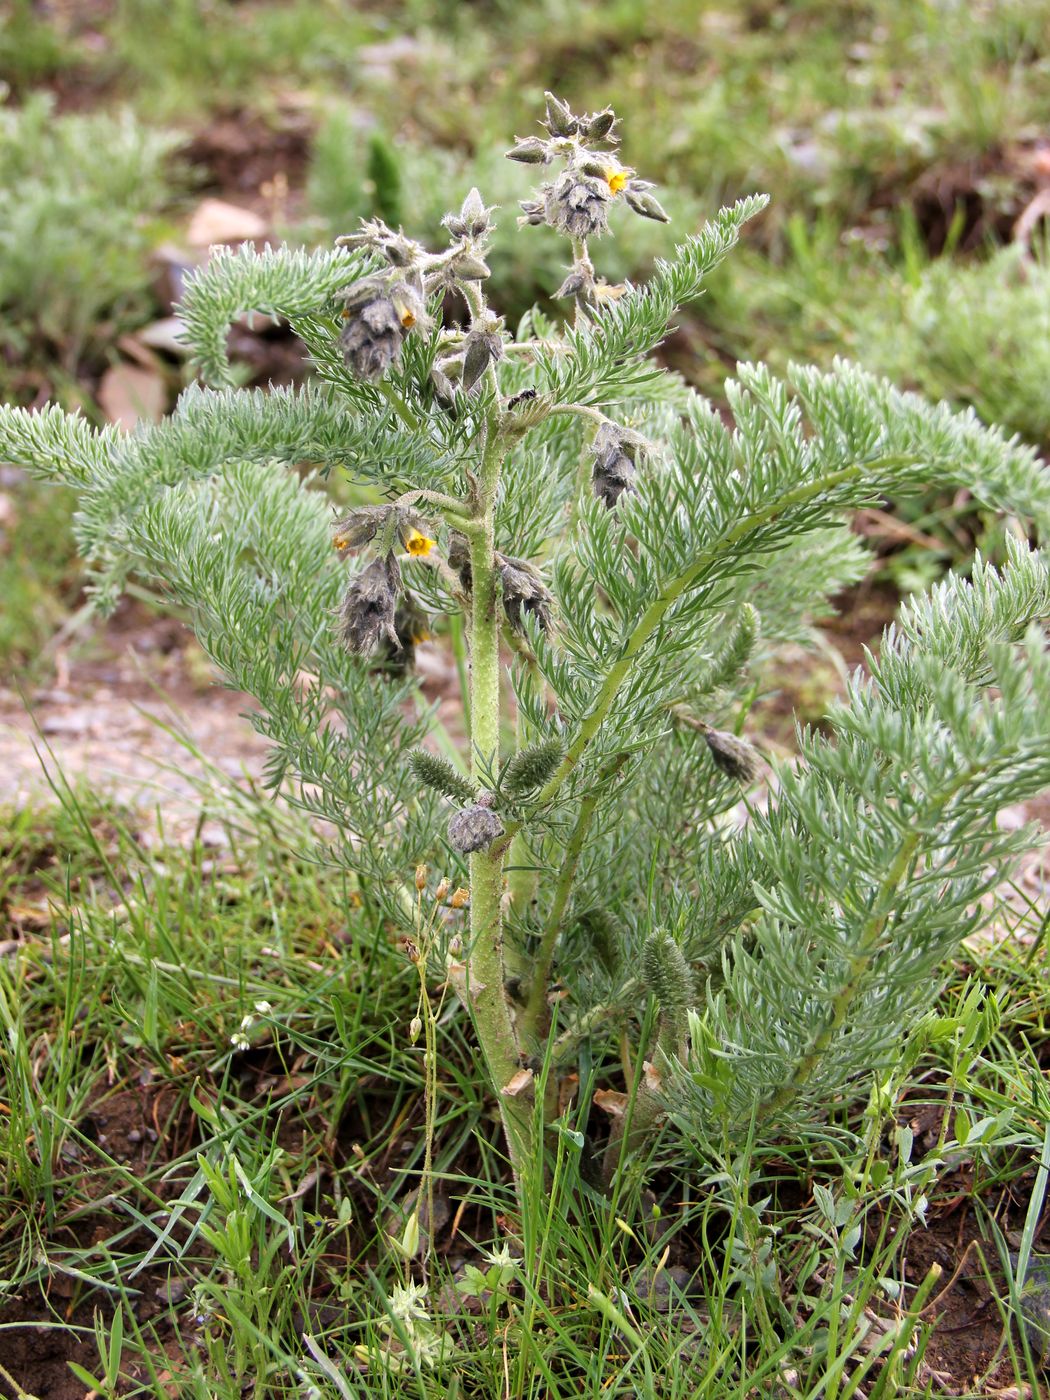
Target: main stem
(489, 1005)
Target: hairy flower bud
(473, 829)
(599, 929)
(560, 120)
(533, 212)
(532, 766)
(598, 126)
(734, 757)
(614, 471)
(358, 527)
(523, 592)
(367, 612)
(577, 204)
(669, 978)
(482, 348)
(643, 203)
(470, 269)
(530, 151)
(431, 771)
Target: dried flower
(377, 317)
(460, 899)
(734, 757)
(367, 611)
(473, 829)
(577, 204)
(523, 592)
(459, 559)
(411, 625)
(358, 527)
(614, 471)
(421, 877)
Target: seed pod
(732, 756)
(473, 829)
(577, 204)
(670, 979)
(560, 121)
(523, 592)
(431, 771)
(530, 151)
(367, 612)
(644, 204)
(532, 766)
(614, 471)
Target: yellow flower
(418, 543)
(617, 179)
(341, 542)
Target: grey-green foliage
(816, 926)
(76, 193)
(878, 852)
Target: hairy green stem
(487, 999)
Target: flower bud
(532, 212)
(523, 592)
(532, 766)
(421, 877)
(431, 771)
(469, 269)
(415, 1026)
(597, 127)
(482, 348)
(442, 889)
(473, 829)
(530, 151)
(669, 978)
(732, 756)
(644, 204)
(560, 121)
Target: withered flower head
(411, 626)
(459, 558)
(614, 472)
(367, 613)
(577, 204)
(734, 757)
(523, 592)
(473, 829)
(378, 314)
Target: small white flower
(263, 1007)
(240, 1041)
(406, 1303)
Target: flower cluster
(375, 611)
(577, 200)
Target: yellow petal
(419, 544)
(616, 180)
